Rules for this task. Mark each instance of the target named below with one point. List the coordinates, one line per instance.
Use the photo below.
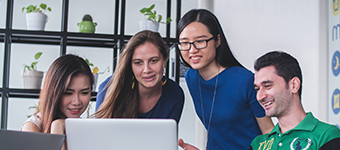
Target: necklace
(212, 108)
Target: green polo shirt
(309, 134)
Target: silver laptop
(121, 134)
(18, 140)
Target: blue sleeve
(101, 92)
(247, 93)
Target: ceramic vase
(149, 25)
(87, 27)
(32, 79)
(36, 21)
(94, 86)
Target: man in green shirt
(278, 81)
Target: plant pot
(94, 86)
(87, 26)
(32, 79)
(149, 25)
(36, 21)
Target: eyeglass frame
(193, 43)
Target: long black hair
(224, 55)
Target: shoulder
(105, 81)
(328, 130)
(30, 126)
(242, 72)
(173, 87)
(190, 73)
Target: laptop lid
(121, 134)
(18, 140)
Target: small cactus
(87, 17)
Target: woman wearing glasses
(221, 88)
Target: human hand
(186, 146)
(58, 126)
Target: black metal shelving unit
(64, 39)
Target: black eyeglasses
(199, 44)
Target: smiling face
(202, 58)
(273, 93)
(77, 96)
(148, 65)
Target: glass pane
(18, 111)
(89, 111)
(102, 14)
(53, 20)
(1, 62)
(24, 54)
(99, 57)
(187, 5)
(3, 6)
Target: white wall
(297, 27)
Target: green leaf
(23, 8)
(90, 64)
(143, 10)
(152, 6)
(49, 9)
(168, 20)
(37, 55)
(43, 6)
(159, 18)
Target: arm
(331, 145)
(30, 127)
(58, 127)
(177, 111)
(265, 123)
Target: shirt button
(280, 144)
(279, 134)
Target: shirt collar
(307, 124)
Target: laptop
(121, 134)
(18, 140)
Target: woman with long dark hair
(221, 88)
(66, 93)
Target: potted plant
(31, 77)
(36, 17)
(95, 72)
(87, 25)
(152, 19)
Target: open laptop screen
(121, 134)
(18, 140)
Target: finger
(181, 143)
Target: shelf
(73, 38)
(34, 93)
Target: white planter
(32, 79)
(36, 21)
(95, 82)
(149, 25)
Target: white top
(35, 119)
